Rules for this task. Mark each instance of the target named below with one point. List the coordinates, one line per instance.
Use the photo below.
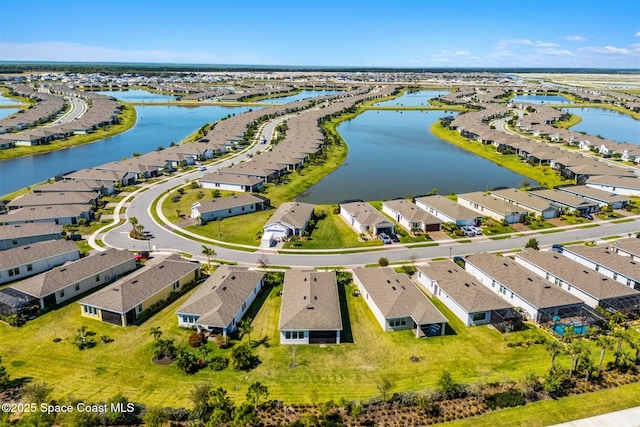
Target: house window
(14, 242)
(597, 267)
(30, 267)
(244, 305)
(479, 316)
(14, 271)
(62, 293)
(97, 277)
(139, 308)
(176, 285)
(615, 276)
(294, 335)
(92, 311)
(77, 286)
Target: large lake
(156, 126)
(413, 99)
(393, 154)
(8, 101)
(607, 123)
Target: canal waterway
(156, 126)
(607, 123)
(138, 96)
(413, 99)
(299, 96)
(541, 99)
(6, 112)
(393, 154)
(8, 101)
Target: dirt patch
(163, 361)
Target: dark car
(557, 248)
(394, 237)
(74, 237)
(141, 255)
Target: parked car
(203, 168)
(468, 230)
(588, 216)
(74, 237)
(477, 230)
(395, 237)
(141, 255)
(557, 248)
(385, 238)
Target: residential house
(538, 206)
(365, 219)
(627, 247)
(72, 279)
(602, 197)
(224, 207)
(125, 301)
(231, 182)
(623, 269)
(51, 199)
(57, 214)
(290, 219)
(593, 288)
(447, 210)
(310, 309)
(409, 216)
(568, 202)
(487, 205)
(15, 235)
(221, 301)
(540, 300)
(468, 299)
(624, 185)
(24, 261)
(397, 303)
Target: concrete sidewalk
(625, 418)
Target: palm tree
(155, 332)
(576, 350)
(208, 252)
(133, 221)
(245, 327)
(554, 348)
(605, 343)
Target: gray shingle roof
(51, 281)
(447, 207)
(397, 296)
(28, 229)
(533, 289)
(126, 293)
(463, 288)
(603, 256)
(591, 282)
(295, 214)
(310, 301)
(34, 252)
(221, 296)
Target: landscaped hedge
(505, 399)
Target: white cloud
(575, 38)
(638, 34)
(607, 50)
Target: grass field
(350, 370)
(544, 175)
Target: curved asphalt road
(165, 240)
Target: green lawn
(333, 232)
(542, 174)
(540, 225)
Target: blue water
(393, 154)
(138, 95)
(155, 126)
(299, 97)
(607, 123)
(6, 112)
(8, 101)
(541, 99)
(415, 99)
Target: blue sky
(373, 33)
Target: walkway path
(625, 418)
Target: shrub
(505, 399)
(196, 339)
(221, 341)
(383, 262)
(219, 363)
